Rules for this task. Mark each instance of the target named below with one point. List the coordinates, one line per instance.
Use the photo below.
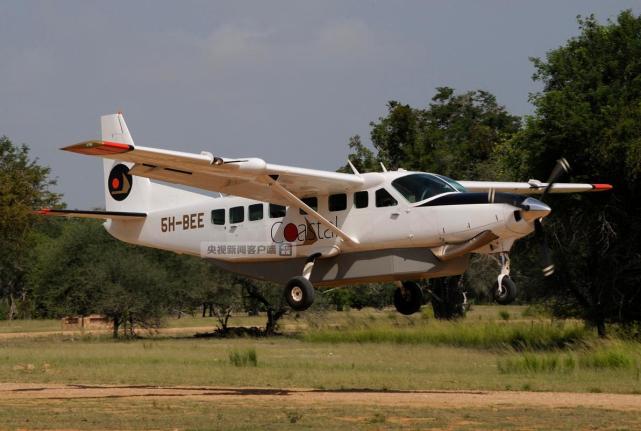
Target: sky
(286, 81)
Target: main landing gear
(447, 294)
(299, 291)
(504, 291)
(449, 300)
(408, 298)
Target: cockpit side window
(418, 187)
(384, 199)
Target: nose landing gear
(504, 291)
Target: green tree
(455, 135)
(590, 112)
(85, 271)
(24, 186)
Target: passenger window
(277, 211)
(218, 216)
(384, 199)
(337, 202)
(236, 215)
(255, 212)
(361, 199)
(310, 202)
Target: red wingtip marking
(116, 145)
(43, 211)
(100, 148)
(602, 187)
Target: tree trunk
(600, 327)
(12, 306)
(116, 326)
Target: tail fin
(133, 194)
(123, 192)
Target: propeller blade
(546, 256)
(561, 168)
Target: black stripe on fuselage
(475, 198)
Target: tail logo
(119, 182)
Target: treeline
(588, 111)
(74, 267)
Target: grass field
(356, 350)
(206, 415)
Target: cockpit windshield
(458, 186)
(418, 187)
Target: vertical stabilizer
(123, 192)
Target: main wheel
(299, 293)
(506, 292)
(409, 298)
(448, 297)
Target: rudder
(123, 192)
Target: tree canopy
(24, 185)
(590, 112)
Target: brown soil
(442, 399)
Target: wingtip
(99, 148)
(41, 211)
(601, 187)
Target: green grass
(356, 349)
(482, 335)
(367, 349)
(35, 325)
(604, 356)
(289, 362)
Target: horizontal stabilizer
(103, 215)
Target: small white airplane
(305, 227)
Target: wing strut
(296, 202)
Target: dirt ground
(436, 399)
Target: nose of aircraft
(533, 209)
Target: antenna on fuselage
(383, 166)
(353, 168)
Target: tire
(448, 298)
(507, 293)
(409, 298)
(299, 293)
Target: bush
(243, 358)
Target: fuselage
(394, 210)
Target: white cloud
(345, 38)
(232, 45)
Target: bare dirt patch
(436, 399)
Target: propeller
(561, 168)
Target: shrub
(243, 358)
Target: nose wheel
(505, 290)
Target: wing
(532, 187)
(103, 215)
(247, 177)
